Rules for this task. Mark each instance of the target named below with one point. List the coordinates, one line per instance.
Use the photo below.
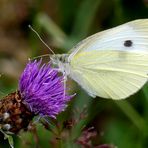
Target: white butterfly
(110, 64)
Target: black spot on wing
(128, 43)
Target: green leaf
(11, 142)
(9, 137)
(84, 18)
(132, 114)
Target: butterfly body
(110, 64)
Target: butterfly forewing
(136, 31)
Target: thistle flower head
(42, 89)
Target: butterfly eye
(128, 43)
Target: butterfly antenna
(37, 57)
(40, 38)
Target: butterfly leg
(64, 82)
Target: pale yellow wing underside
(110, 74)
(104, 66)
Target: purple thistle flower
(42, 90)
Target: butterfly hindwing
(109, 73)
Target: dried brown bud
(14, 114)
(87, 135)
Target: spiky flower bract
(42, 89)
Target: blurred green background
(63, 23)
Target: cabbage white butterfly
(110, 64)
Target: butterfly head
(60, 61)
